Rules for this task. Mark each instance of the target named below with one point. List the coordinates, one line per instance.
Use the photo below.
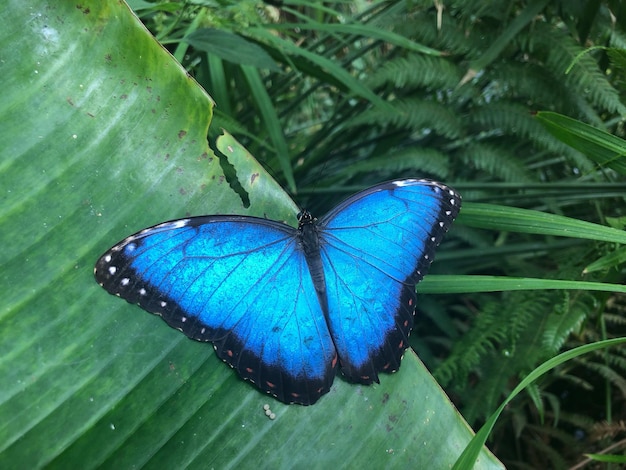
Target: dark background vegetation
(335, 96)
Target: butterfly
(287, 307)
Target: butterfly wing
(375, 247)
(240, 282)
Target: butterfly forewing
(239, 282)
(376, 246)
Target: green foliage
(346, 94)
(450, 91)
(430, 100)
(98, 143)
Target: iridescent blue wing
(240, 282)
(375, 247)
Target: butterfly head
(305, 218)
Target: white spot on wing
(407, 182)
(175, 224)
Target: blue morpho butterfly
(286, 307)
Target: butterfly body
(287, 307)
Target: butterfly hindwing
(240, 282)
(375, 247)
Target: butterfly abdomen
(309, 240)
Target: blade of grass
(448, 284)
(352, 84)
(489, 216)
(361, 30)
(272, 122)
(469, 455)
(603, 148)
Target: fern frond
(486, 333)
(577, 420)
(415, 114)
(619, 320)
(422, 161)
(575, 381)
(612, 358)
(584, 78)
(422, 27)
(481, 400)
(531, 84)
(497, 161)
(608, 373)
(516, 121)
(433, 73)
(525, 322)
(559, 326)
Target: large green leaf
(104, 134)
